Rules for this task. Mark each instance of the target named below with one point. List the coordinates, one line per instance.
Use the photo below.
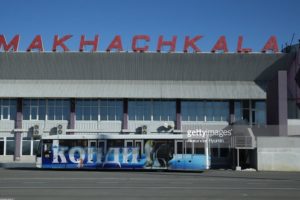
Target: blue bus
(102, 151)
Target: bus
(104, 151)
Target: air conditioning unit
(144, 129)
(35, 130)
(59, 129)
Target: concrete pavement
(49, 184)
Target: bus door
(92, 149)
(47, 151)
(139, 145)
(179, 154)
(101, 150)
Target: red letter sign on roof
(60, 42)
(221, 45)
(162, 43)
(84, 42)
(14, 43)
(36, 44)
(191, 43)
(115, 44)
(271, 45)
(140, 37)
(240, 49)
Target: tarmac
(32, 183)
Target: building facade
(255, 94)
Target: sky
(255, 20)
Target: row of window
(142, 110)
(29, 146)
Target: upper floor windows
(157, 110)
(250, 111)
(99, 109)
(8, 109)
(205, 110)
(41, 109)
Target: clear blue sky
(256, 20)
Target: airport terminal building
(142, 94)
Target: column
(277, 103)
(125, 115)
(178, 114)
(18, 134)
(72, 115)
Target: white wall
(278, 153)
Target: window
(10, 146)
(259, 112)
(34, 109)
(111, 109)
(99, 109)
(26, 146)
(38, 109)
(205, 110)
(139, 110)
(58, 109)
(164, 110)
(146, 110)
(1, 146)
(8, 109)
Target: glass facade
(244, 109)
(99, 109)
(58, 109)
(147, 110)
(8, 109)
(259, 112)
(39, 109)
(205, 110)
(10, 146)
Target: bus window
(189, 147)
(199, 148)
(178, 147)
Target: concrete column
(125, 114)
(277, 103)
(178, 114)
(72, 115)
(18, 134)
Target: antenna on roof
(292, 39)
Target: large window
(10, 146)
(146, 110)
(58, 109)
(247, 111)
(259, 112)
(164, 110)
(205, 110)
(34, 109)
(8, 109)
(38, 109)
(139, 110)
(99, 109)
